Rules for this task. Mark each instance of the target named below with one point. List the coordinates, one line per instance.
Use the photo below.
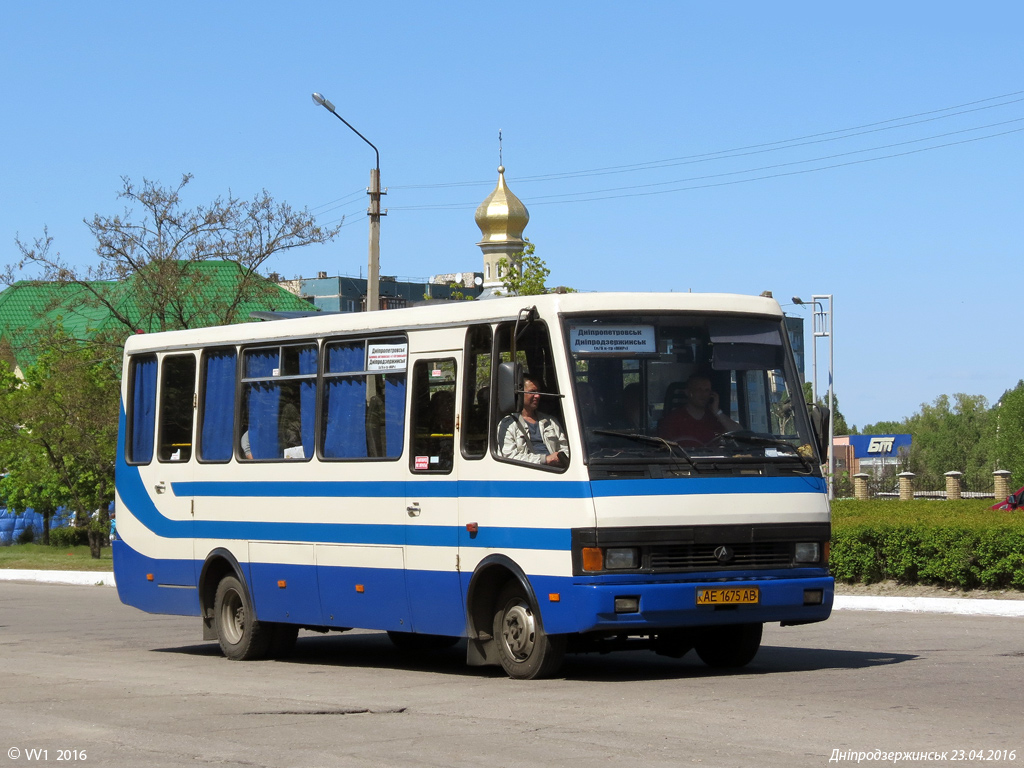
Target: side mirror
(820, 416)
(510, 388)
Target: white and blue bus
(353, 471)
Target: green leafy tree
(1008, 433)
(950, 434)
(526, 274)
(839, 421)
(58, 433)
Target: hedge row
(947, 543)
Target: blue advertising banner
(877, 446)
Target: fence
(866, 486)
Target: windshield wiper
(756, 439)
(640, 437)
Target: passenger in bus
(289, 434)
(699, 420)
(587, 402)
(530, 435)
(632, 408)
(376, 434)
(289, 427)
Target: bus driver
(530, 435)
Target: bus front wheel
(729, 647)
(241, 636)
(525, 650)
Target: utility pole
(373, 278)
(374, 212)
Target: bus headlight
(807, 552)
(619, 558)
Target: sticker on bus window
(386, 357)
(612, 339)
(422, 462)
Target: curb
(948, 605)
(953, 605)
(83, 578)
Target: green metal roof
(30, 306)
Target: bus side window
(141, 410)
(279, 406)
(533, 352)
(363, 413)
(177, 409)
(433, 415)
(217, 417)
(476, 397)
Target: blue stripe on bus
(136, 499)
(693, 486)
(492, 489)
(427, 489)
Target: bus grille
(701, 557)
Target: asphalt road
(81, 673)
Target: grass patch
(37, 557)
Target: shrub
(27, 535)
(948, 543)
(68, 536)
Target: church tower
(502, 217)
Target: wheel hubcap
(519, 631)
(233, 615)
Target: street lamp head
(796, 299)
(318, 98)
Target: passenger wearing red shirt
(699, 420)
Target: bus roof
(448, 313)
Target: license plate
(728, 596)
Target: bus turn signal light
(281, 584)
(593, 559)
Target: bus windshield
(701, 392)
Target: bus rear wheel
(241, 636)
(525, 650)
(729, 647)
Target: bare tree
(158, 259)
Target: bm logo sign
(881, 444)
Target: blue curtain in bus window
(307, 361)
(264, 400)
(260, 363)
(345, 431)
(143, 410)
(394, 413)
(218, 406)
(307, 399)
(346, 358)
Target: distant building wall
(348, 294)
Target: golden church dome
(502, 217)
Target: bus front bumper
(637, 607)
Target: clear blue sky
(921, 250)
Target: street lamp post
(822, 328)
(374, 212)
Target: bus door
(169, 477)
(432, 501)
